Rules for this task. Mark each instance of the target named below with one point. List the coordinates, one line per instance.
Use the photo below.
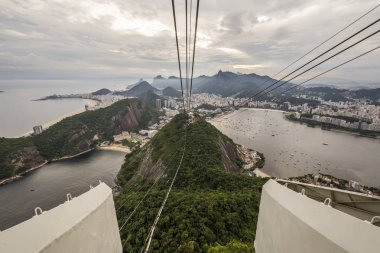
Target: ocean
(19, 113)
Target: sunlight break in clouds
(120, 21)
(263, 19)
(249, 67)
(232, 51)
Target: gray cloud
(70, 39)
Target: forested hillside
(73, 135)
(212, 207)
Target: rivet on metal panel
(37, 211)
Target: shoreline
(261, 173)
(318, 124)
(333, 127)
(72, 156)
(52, 122)
(116, 148)
(20, 175)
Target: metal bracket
(374, 218)
(327, 202)
(37, 211)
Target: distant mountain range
(239, 85)
(223, 83)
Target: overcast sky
(78, 39)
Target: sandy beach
(261, 173)
(115, 147)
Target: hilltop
(138, 90)
(103, 91)
(224, 83)
(73, 135)
(212, 206)
(171, 92)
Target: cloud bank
(69, 39)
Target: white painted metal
(85, 224)
(359, 205)
(293, 223)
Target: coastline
(115, 148)
(261, 173)
(331, 127)
(72, 156)
(349, 132)
(320, 125)
(52, 122)
(19, 175)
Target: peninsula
(72, 136)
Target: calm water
(19, 113)
(51, 183)
(295, 149)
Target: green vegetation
(232, 247)
(171, 92)
(7, 148)
(328, 93)
(129, 144)
(260, 164)
(209, 205)
(346, 118)
(73, 135)
(207, 107)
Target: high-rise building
(286, 106)
(37, 129)
(158, 104)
